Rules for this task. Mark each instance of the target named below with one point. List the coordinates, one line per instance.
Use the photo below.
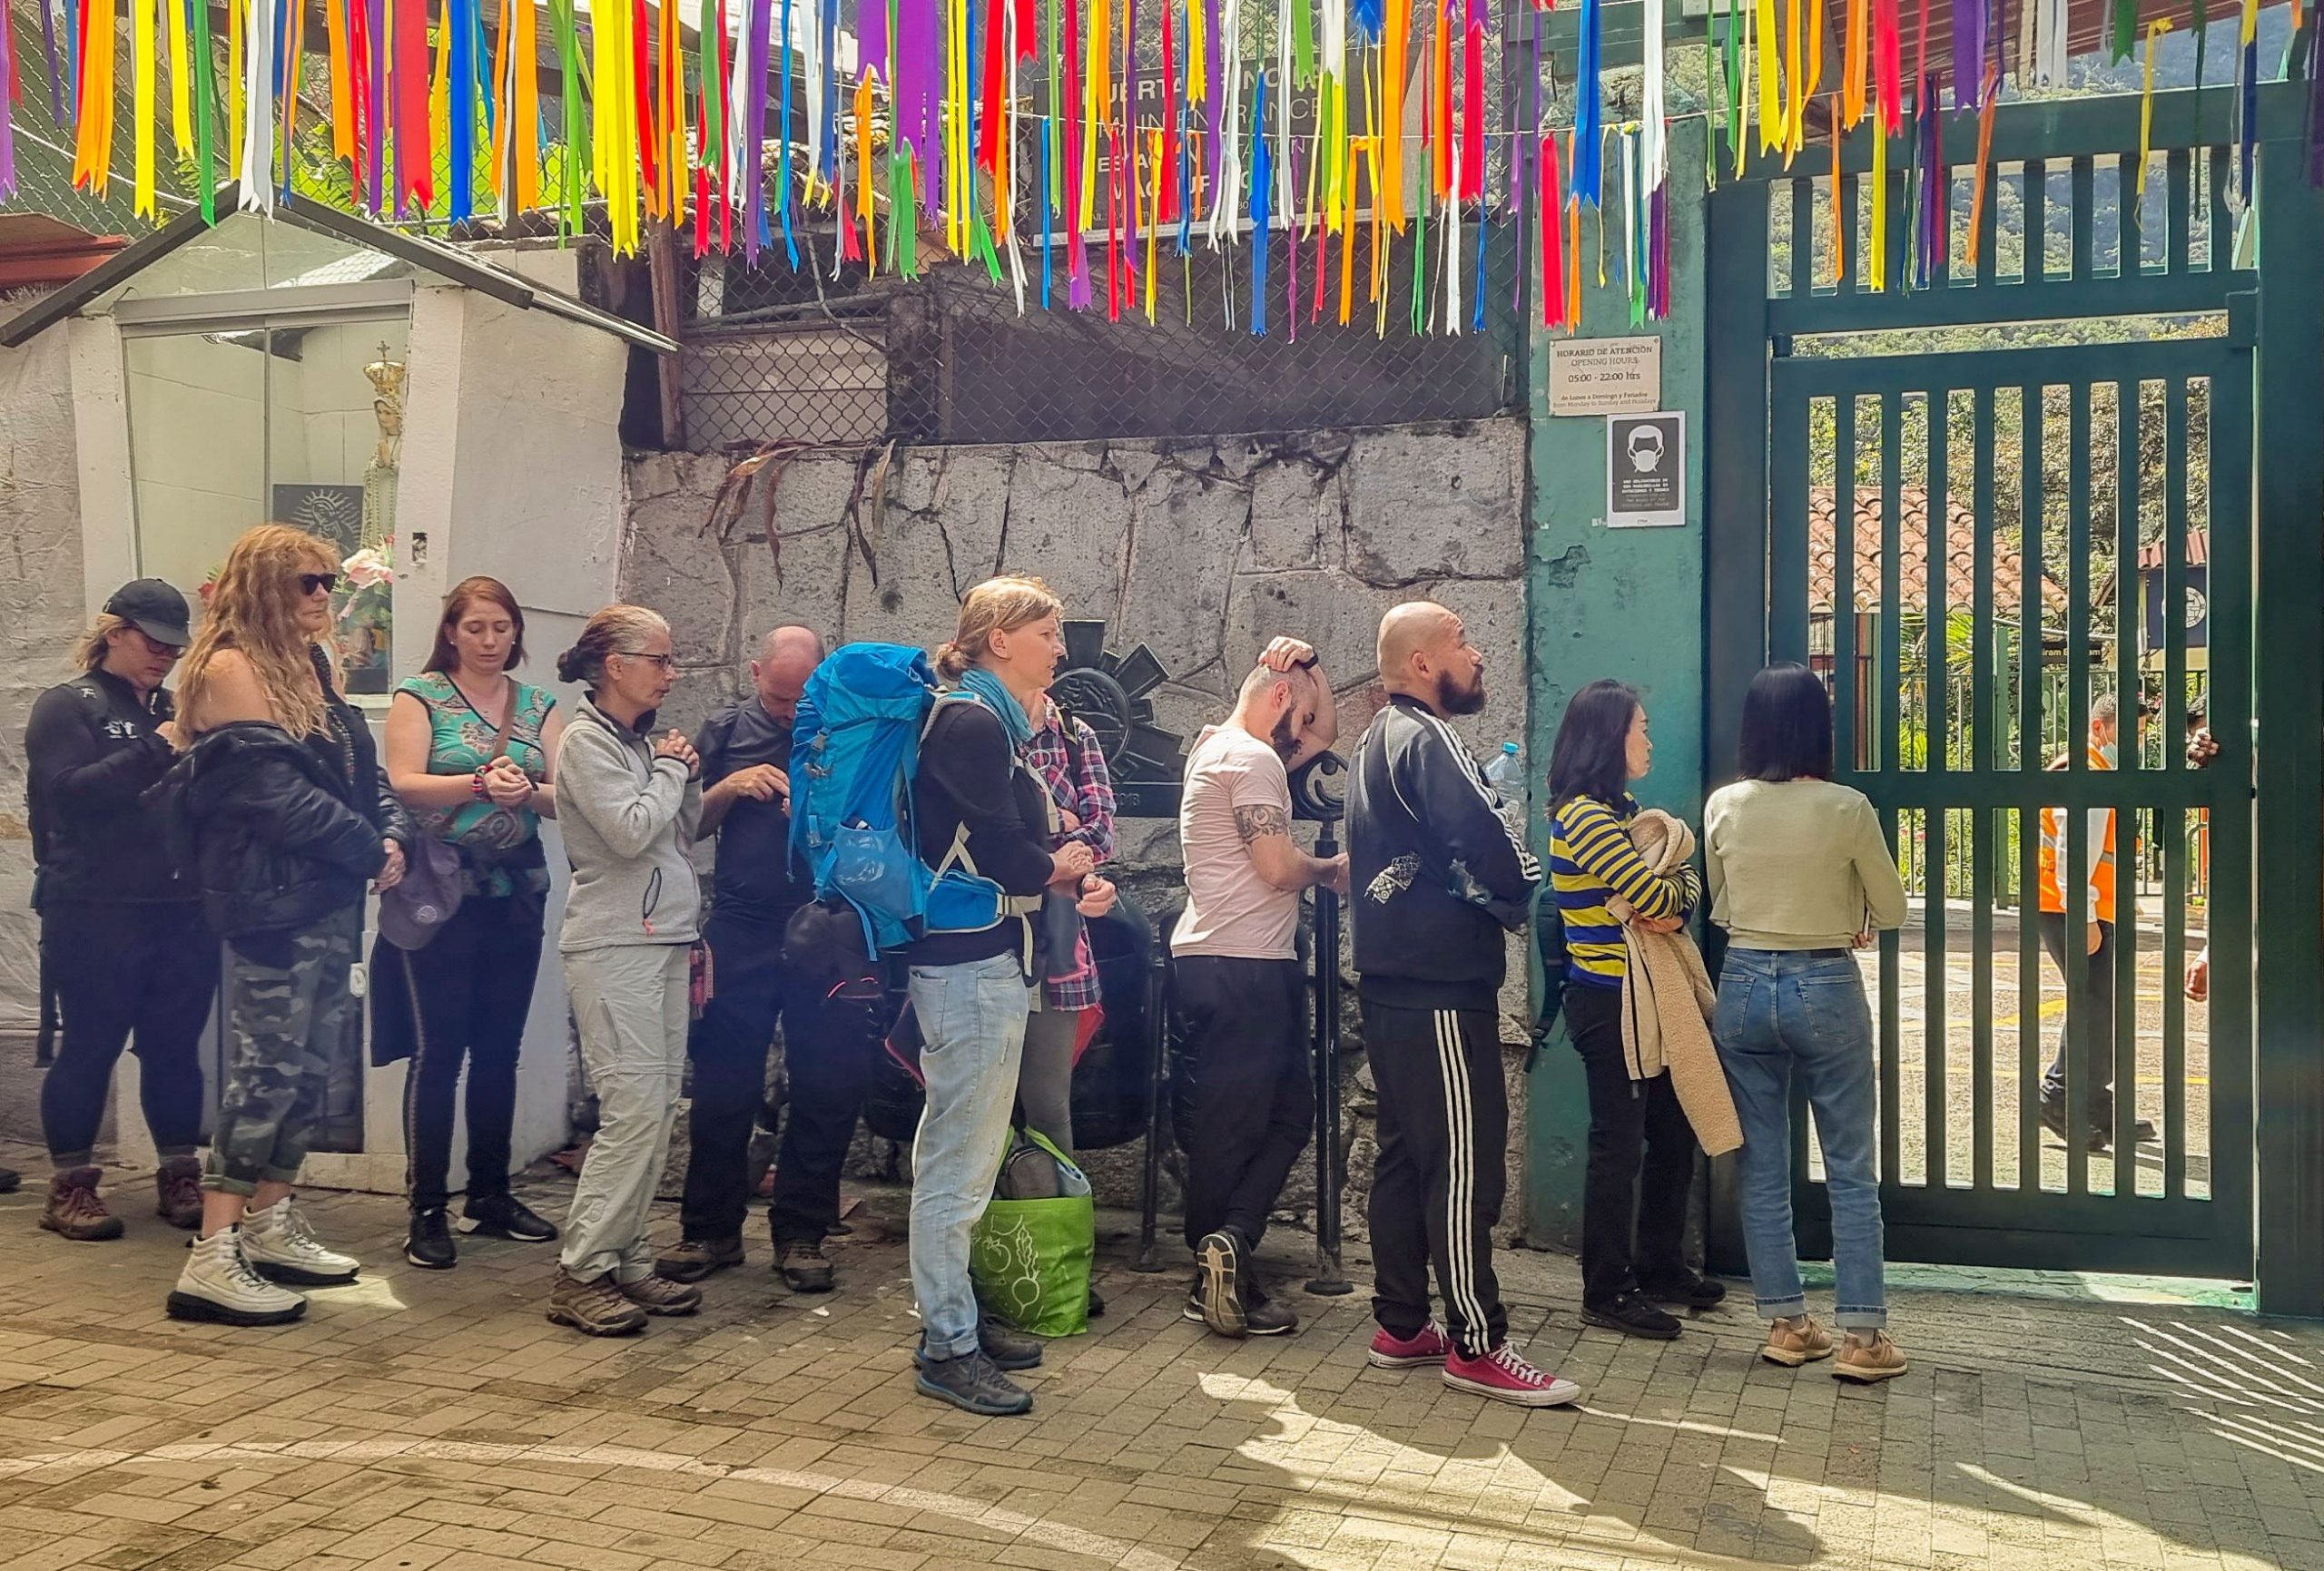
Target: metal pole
(1329, 1279)
(1158, 1030)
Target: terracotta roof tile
(1913, 539)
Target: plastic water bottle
(1506, 774)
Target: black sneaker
(696, 1257)
(505, 1216)
(973, 1383)
(1219, 1258)
(429, 1244)
(1689, 1291)
(9, 1179)
(1192, 1309)
(1096, 1304)
(1633, 1315)
(1262, 1317)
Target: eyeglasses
(311, 581)
(667, 662)
(161, 650)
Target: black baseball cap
(155, 608)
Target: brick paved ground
(424, 1420)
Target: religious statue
(387, 379)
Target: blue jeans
(1779, 1010)
(972, 1031)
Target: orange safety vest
(2054, 853)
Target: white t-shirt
(1231, 911)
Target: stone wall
(1201, 550)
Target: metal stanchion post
(1157, 1027)
(1316, 797)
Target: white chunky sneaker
(279, 1245)
(219, 1285)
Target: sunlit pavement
(427, 1420)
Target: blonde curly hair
(254, 610)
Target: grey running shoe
(973, 1383)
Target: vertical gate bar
(1786, 543)
(1803, 237)
(2037, 219)
(1850, 278)
(2131, 248)
(2073, 877)
(2083, 216)
(1846, 687)
(2290, 499)
(1936, 1041)
(2178, 215)
(2034, 614)
(1984, 840)
(1886, 755)
(2220, 246)
(1891, 679)
(1735, 547)
(2242, 890)
(2129, 397)
(2174, 845)
(1988, 247)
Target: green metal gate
(1963, 501)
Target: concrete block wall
(1201, 549)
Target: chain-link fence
(776, 354)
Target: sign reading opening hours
(1605, 376)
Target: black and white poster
(1646, 470)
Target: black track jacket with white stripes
(1435, 871)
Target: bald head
(1425, 654)
(787, 658)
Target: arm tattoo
(1256, 823)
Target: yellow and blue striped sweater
(1591, 863)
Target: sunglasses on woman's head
(311, 581)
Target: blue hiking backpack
(854, 758)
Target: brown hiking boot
(804, 1267)
(1796, 1342)
(658, 1295)
(692, 1258)
(74, 1209)
(177, 1185)
(1868, 1356)
(595, 1308)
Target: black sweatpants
(827, 1000)
(124, 971)
(1246, 1102)
(470, 991)
(1641, 1158)
(1436, 1191)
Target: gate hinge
(2243, 319)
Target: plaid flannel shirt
(1087, 793)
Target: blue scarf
(986, 688)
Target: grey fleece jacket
(628, 818)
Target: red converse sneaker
(1502, 1375)
(1426, 1346)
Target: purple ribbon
(1968, 54)
(918, 88)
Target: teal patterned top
(459, 739)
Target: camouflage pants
(291, 1020)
